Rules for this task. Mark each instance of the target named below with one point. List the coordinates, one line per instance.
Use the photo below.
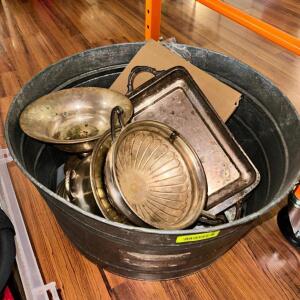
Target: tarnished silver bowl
(77, 186)
(84, 183)
(73, 119)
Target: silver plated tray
(172, 97)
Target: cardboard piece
(222, 97)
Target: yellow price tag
(196, 237)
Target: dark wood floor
(34, 34)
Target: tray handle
(117, 111)
(137, 70)
(70, 174)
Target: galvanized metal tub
(265, 124)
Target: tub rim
(253, 216)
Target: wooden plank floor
(34, 34)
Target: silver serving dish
(154, 177)
(97, 183)
(173, 98)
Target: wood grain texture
(34, 34)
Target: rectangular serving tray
(172, 97)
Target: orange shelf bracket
(297, 191)
(152, 19)
(266, 30)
